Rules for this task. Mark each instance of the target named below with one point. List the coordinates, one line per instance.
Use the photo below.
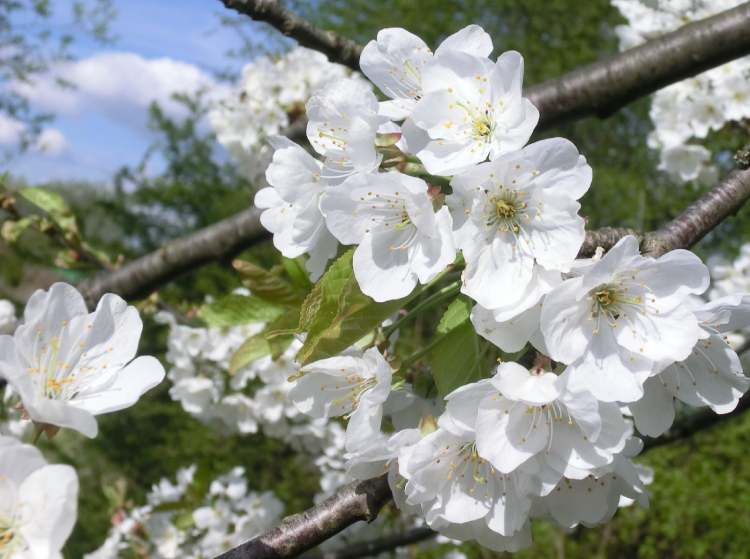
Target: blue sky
(101, 125)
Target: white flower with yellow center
(710, 376)
(68, 365)
(520, 415)
(290, 205)
(352, 386)
(394, 63)
(38, 503)
(624, 315)
(472, 108)
(516, 221)
(401, 238)
(451, 482)
(342, 124)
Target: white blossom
(710, 376)
(400, 238)
(623, 315)
(516, 221)
(394, 63)
(69, 365)
(347, 385)
(471, 109)
(342, 124)
(38, 503)
(519, 415)
(290, 206)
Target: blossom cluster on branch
(686, 112)
(438, 178)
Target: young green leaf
(235, 309)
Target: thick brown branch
(605, 86)
(300, 532)
(139, 277)
(335, 47)
(722, 201)
(374, 547)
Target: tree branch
(300, 532)
(373, 547)
(337, 48)
(147, 273)
(607, 85)
(597, 89)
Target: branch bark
(373, 547)
(300, 532)
(337, 48)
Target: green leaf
(295, 269)
(55, 205)
(336, 313)
(456, 314)
(267, 285)
(459, 357)
(235, 309)
(251, 349)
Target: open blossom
(38, 503)
(394, 63)
(290, 205)
(516, 221)
(348, 385)
(454, 485)
(401, 238)
(519, 415)
(69, 365)
(622, 316)
(342, 123)
(472, 108)
(710, 376)
(595, 498)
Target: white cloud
(120, 84)
(51, 142)
(10, 130)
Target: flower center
(505, 210)
(10, 541)
(610, 301)
(481, 127)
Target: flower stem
(432, 300)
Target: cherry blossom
(622, 316)
(394, 63)
(38, 502)
(349, 385)
(69, 365)
(400, 238)
(342, 124)
(516, 221)
(472, 108)
(290, 206)
(710, 376)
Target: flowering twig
(300, 532)
(597, 89)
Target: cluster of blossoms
(171, 525)
(64, 366)
(270, 97)
(690, 109)
(619, 335)
(252, 399)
